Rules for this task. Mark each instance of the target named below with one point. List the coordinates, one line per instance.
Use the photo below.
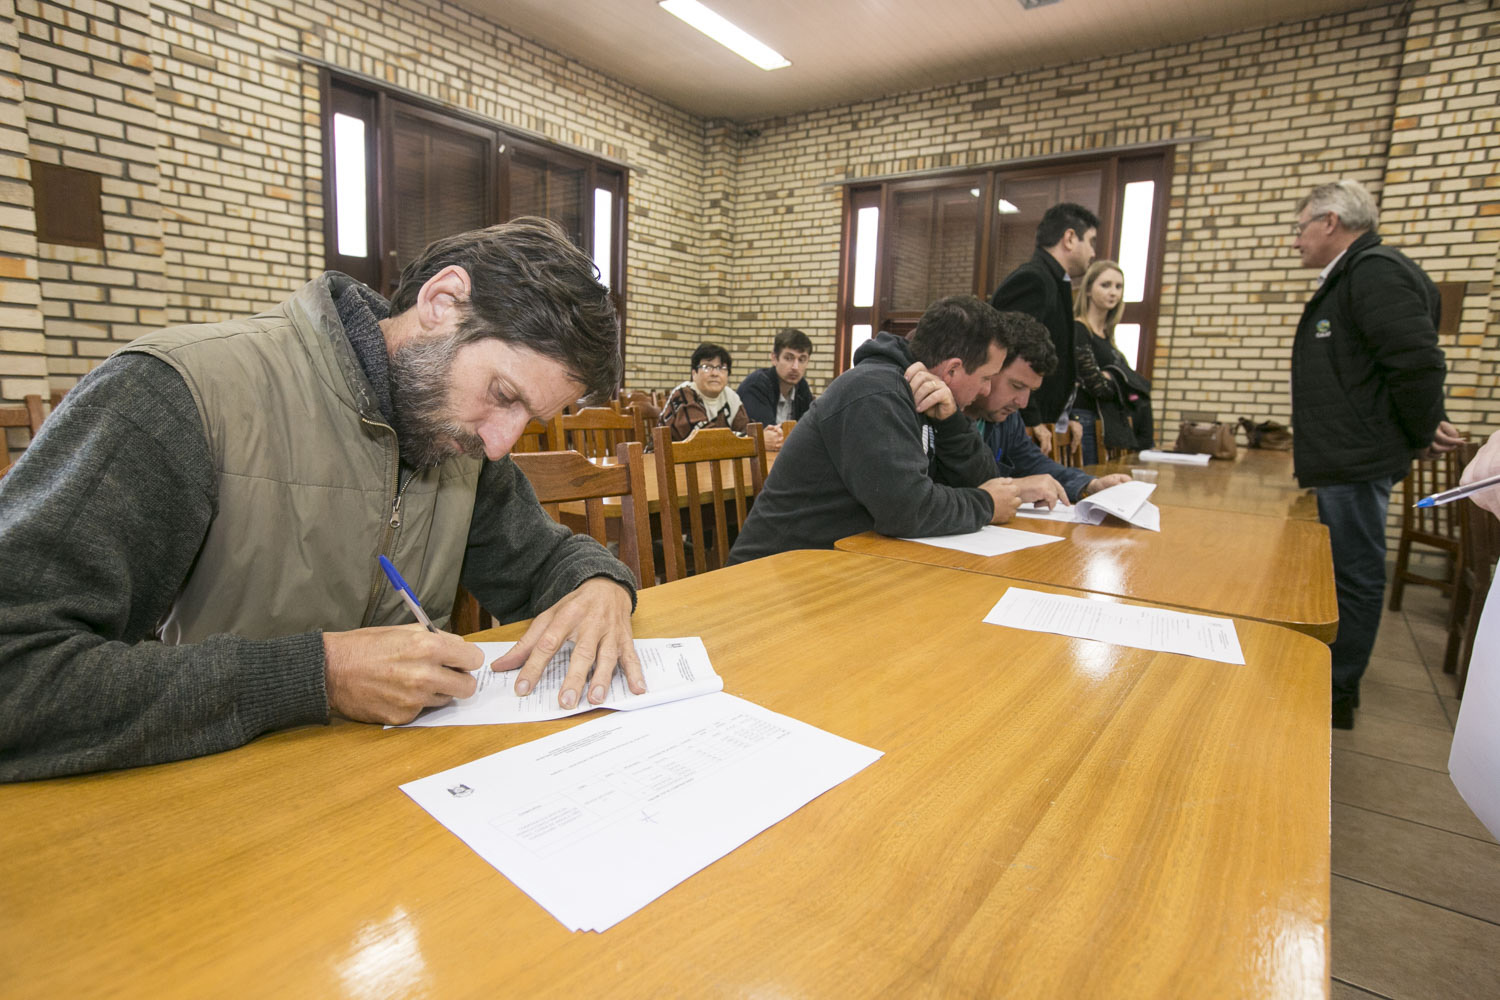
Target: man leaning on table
(887, 447)
(1367, 398)
(1029, 358)
(190, 545)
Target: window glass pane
(1135, 238)
(604, 221)
(866, 230)
(349, 185)
(1128, 340)
(931, 241)
(1019, 205)
(858, 334)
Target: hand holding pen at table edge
(388, 674)
(1479, 480)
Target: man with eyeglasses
(1367, 398)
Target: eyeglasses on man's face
(713, 369)
(1298, 228)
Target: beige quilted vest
(307, 473)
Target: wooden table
(1257, 481)
(1242, 565)
(1052, 818)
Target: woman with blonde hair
(1119, 397)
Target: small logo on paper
(460, 791)
(1323, 329)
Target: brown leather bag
(1215, 439)
(1267, 434)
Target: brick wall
(23, 349)
(204, 121)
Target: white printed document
(1126, 501)
(597, 821)
(990, 540)
(1166, 631)
(1175, 457)
(673, 669)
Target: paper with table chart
(988, 541)
(1127, 501)
(1174, 457)
(597, 821)
(673, 669)
(1202, 636)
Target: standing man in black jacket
(1040, 288)
(1367, 398)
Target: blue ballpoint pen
(406, 594)
(1457, 493)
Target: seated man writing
(191, 542)
(886, 447)
(1029, 358)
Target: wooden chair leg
(1398, 581)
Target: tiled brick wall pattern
(90, 105)
(23, 349)
(204, 121)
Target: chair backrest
(1067, 448)
(647, 402)
(539, 436)
(1436, 526)
(595, 432)
(29, 415)
(560, 477)
(714, 450)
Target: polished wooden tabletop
(1241, 565)
(1256, 481)
(1052, 818)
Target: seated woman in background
(1118, 395)
(706, 400)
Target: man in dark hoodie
(887, 446)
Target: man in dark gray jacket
(888, 448)
(190, 545)
(1367, 398)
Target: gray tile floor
(1416, 878)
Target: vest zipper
(377, 578)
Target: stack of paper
(1175, 457)
(595, 822)
(673, 669)
(1127, 502)
(1166, 631)
(988, 541)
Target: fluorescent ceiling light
(728, 35)
(1006, 208)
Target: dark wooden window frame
(1120, 167)
(376, 106)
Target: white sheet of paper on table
(673, 669)
(1174, 457)
(1127, 501)
(597, 821)
(1157, 629)
(991, 540)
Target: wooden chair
(710, 447)
(596, 431)
(648, 403)
(1480, 534)
(1067, 448)
(539, 436)
(28, 415)
(559, 477)
(1433, 527)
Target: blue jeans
(1090, 445)
(1355, 516)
